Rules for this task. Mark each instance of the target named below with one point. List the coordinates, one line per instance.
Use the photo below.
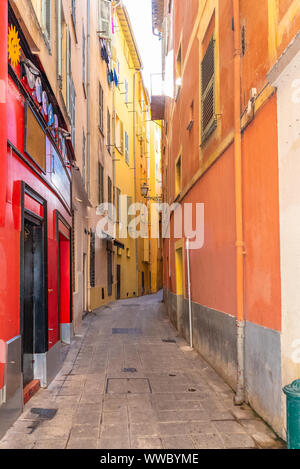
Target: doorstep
(31, 389)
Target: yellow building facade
(134, 157)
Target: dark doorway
(33, 328)
(118, 282)
(109, 273)
(143, 283)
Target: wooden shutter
(46, 18)
(83, 159)
(126, 147)
(92, 259)
(101, 107)
(208, 120)
(68, 70)
(121, 137)
(105, 19)
(100, 182)
(83, 56)
(59, 41)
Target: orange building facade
(229, 130)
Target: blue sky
(140, 12)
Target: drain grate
(129, 370)
(128, 386)
(129, 331)
(169, 341)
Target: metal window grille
(208, 120)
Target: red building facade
(35, 222)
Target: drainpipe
(3, 116)
(240, 394)
(88, 85)
(135, 183)
(189, 291)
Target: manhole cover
(44, 414)
(129, 370)
(127, 331)
(128, 386)
(169, 341)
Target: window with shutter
(121, 137)
(109, 196)
(100, 183)
(74, 12)
(208, 121)
(101, 120)
(68, 70)
(126, 148)
(47, 18)
(83, 159)
(92, 260)
(83, 58)
(73, 110)
(105, 19)
(126, 92)
(59, 41)
(118, 205)
(108, 131)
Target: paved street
(127, 382)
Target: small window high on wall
(208, 106)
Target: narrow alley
(129, 381)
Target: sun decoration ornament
(14, 48)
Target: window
(101, 108)
(178, 73)
(126, 92)
(118, 205)
(47, 18)
(92, 259)
(74, 12)
(208, 120)
(178, 174)
(59, 42)
(83, 59)
(73, 111)
(105, 21)
(109, 196)
(108, 131)
(119, 135)
(126, 148)
(101, 183)
(68, 70)
(83, 159)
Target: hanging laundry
(115, 77)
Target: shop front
(35, 229)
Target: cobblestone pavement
(127, 382)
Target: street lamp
(145, 190)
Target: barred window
(208, 118)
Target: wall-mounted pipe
(240, 251)
(189, 290)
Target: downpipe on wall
(189, 290)
(240, 251)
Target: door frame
(60, 218)
(31, 216)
